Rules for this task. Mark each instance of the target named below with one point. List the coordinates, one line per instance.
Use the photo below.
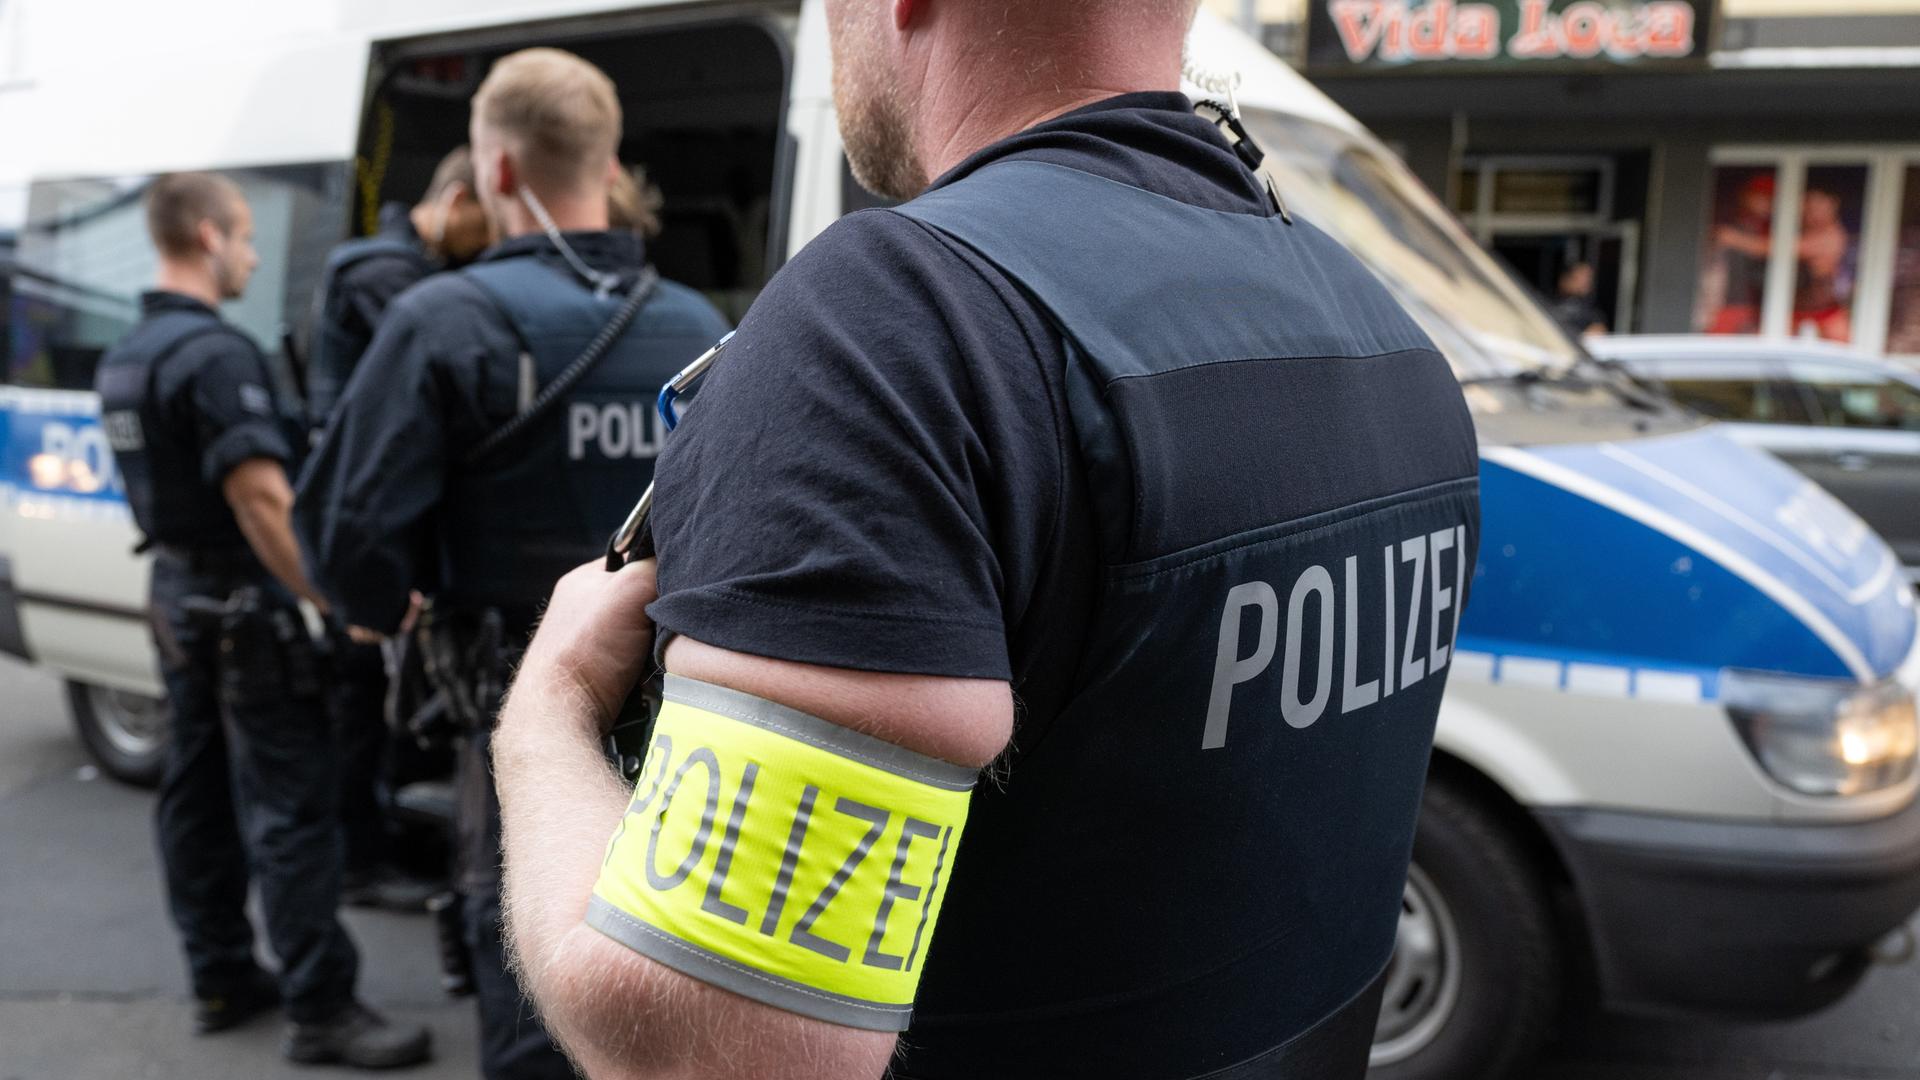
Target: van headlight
(1825, 738)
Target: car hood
(1662, 562)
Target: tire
(126, 733)
(1475, 984)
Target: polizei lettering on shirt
(619, 430)
(1334, 655)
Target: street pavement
(91, 983)
(91, 986)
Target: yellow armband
(784, 858)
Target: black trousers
(359, 703)
(513, 1043)
(250, 792)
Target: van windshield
(1349, 187)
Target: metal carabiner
(620, 549)
(677, 386)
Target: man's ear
(506, 179)
(210, 236)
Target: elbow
(603, 1005)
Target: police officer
(249, 789)
(501, 424)
(1092, 420)
(448, 227)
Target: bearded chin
(879, 142)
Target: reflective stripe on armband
(784, 858)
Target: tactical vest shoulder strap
(360, 249)
(537, 300)
(1091, 278)
(1133, 255)
(529, 319)
(180, 330)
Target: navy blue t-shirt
(880, 474)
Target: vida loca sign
(1508, 35)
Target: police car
(1676, 762)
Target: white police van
(1677, 759)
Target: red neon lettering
(1477, 32)
(1536, 38)
(1670, 29)
(1429, 31)
(1585, 28)
(1360, 23)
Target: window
(1751, 400)
(1814, 242)
(1477, 314)
(1827, 253)
(83, 258)
(13, 207)
(1733, 283)
(1903, 320)
(1848, 396)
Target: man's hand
(595, 638)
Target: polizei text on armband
(1347, 634)
(771, 841)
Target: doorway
(704, 98)
(1543, 214)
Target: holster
(267, 653)
(468, 662)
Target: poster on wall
(1742, 238)
(1827, 252)
(1903, 327)
(1733, 276)
(1463, 35)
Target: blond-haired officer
(495, 434)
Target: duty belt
(228, 562)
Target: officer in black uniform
(498, 429)
(448, 227)
(1092, 420)
(250, 787)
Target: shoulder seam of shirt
(1063, 448)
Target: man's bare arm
(617, 1013)
(262, 502)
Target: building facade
(1739, 166)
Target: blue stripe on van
(54, 454)
(1686, 551)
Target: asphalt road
(91, 986)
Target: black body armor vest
(158, 454)
(546, 501)
(1195, 867)
(336, 349)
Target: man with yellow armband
(1089, 463)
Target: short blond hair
(178, 202)
(559, 114)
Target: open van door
(704, 93)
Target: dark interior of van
(704, 106)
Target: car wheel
(1474, 986)
(125, 732)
